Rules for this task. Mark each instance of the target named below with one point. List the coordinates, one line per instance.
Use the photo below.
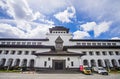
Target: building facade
(59, 52)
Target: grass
(11, 71)
(115, 72)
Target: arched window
(3, 62)
(24, 63)
(100, 63)
(93, 63)
(17, 62)
(119, 61)
(31, 64)
(9, 63)
(107, 63)
(114, 63)
(85, 62)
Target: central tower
(59, 36)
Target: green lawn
(9, 70)
(115, 72)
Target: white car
(100, 70)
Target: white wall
(41, 59)
(96, 57)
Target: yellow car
(87, 70)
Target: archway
(119, 61)
(31, 64)
(93, 63)
(100, 63)
(114, 62)
(17, 62)
(107, 63)
(9, 63)
(85, 62)
(3, 62)
(24, 63)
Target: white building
(59, 52)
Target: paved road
(56, 76)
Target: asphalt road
(56, 76)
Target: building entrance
(58, 64)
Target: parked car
(87, 70)
(100, 70)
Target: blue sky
(86, 19)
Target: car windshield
(101, 69)
(87, 68)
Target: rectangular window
(78, 43)
(83, 44)
(49, 59)
(45, 63)
(104, 44)
(104, 52)
(97, 53)
(23, 43)
(0, 51)
(111, 52)
(28, 43)
(8, 43)
(19, 52)
(33, 52)
(38, 43)
(91, 53)
(18, 43)
(68, 59)
(26, 52)
(94, 44)
(109, 44)
(99, 44)
(12, 52)
(84, 52)
(89, 44)
(13, 43)
(117, 53)
(6, 52)
(72, 64)
(3, 43)
(114, 44)
(33, 43)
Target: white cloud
(8, 31)
(80, 34)
(99, 9)
(98, 29)
(39, 32)
(101, 28)
(88, 26)
(66, 15)
(116, 38)
(20, 10)
(48, 6)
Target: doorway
(58, 64)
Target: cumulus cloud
(80, 34)
(66, 15)
(101, 28)
(8, 31)
(98, 29)
(88, 26)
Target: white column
(13, 62)
(28, 61)
(103, 62)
